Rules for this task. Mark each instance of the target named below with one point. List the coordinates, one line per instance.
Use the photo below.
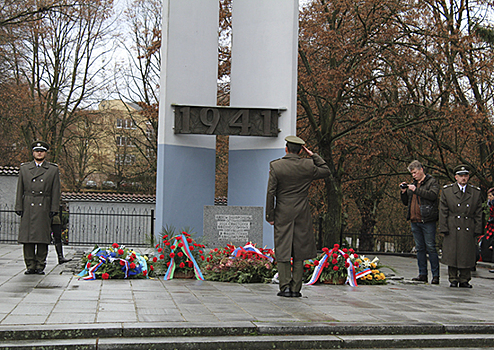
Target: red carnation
(172, 255)
(105, 276)
(325, 249)
(191, 248)
(180, 254)
(190, 263)
(336, 268)
(346, 256)
(189, 240)
(334, 261)
(206, 259)
(157, 245)
(202, 257)
(200, 251)
(356, 264)
(347, 265)
(336, 246)
(316, 263)
(344, 250)
(122, 262)
(144, 273)
(167, 243)
(132, 265)
(115, 245)
(182, 265)
(180, 245)
(131, 258)
(351, 251)
(89, 257)
(165, 236)
(162, 256)
(335, 255)
(120, 251)
(160, 250)
(155, 259)
(151, 267)
(172, 247)
(307, 266)
(355, 256)
(167, 264)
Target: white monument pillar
(264, 74)
(186, 163)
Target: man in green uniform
(460, 220)
(37, 201)
(287, 208)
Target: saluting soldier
(287, 208)
(37, 201)
(460, 220)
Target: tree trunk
(332, 221)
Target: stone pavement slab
(60, 298)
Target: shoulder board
(54, 164)
(25, 163)
(449, 185)
(477, 188)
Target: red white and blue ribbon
(250, 248)
(317, 271)
(185, 248)
(351, 275)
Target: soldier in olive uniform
(460, 220)
(287, 208)
(37, 201)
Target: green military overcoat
(38, 194)
(288, 206)
(460, 220)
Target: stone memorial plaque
(232, 225)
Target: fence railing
(133, 227)
(381, 243)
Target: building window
(125, 124)
(127, 159)
(124, 141)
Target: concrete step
(262, 342)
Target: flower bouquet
(178, 255)
(116, 262)
(376, 276)
(331, 266)
(246, 264)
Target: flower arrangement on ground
(247, 264)
(331, 266)
(178, 255)
(115, 262)
(376, 276)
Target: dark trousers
(57, 233)
(288, 278)
(459, 275)
(35, 255)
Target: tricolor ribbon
(351, 275)
(250, 248)
(185, 249)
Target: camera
(404, 186)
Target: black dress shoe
(435, 280)
(453, 284)
(30, 272)
(492, 271)
(287, 293)
(465, 285)
(296, 295)
(420, 278)
(40, 272)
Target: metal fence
(381, 243)
(89, 227)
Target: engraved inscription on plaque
(226, 120)
(232, 225)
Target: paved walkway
(60, 298)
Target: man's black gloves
(52, 214)
(20, 213)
